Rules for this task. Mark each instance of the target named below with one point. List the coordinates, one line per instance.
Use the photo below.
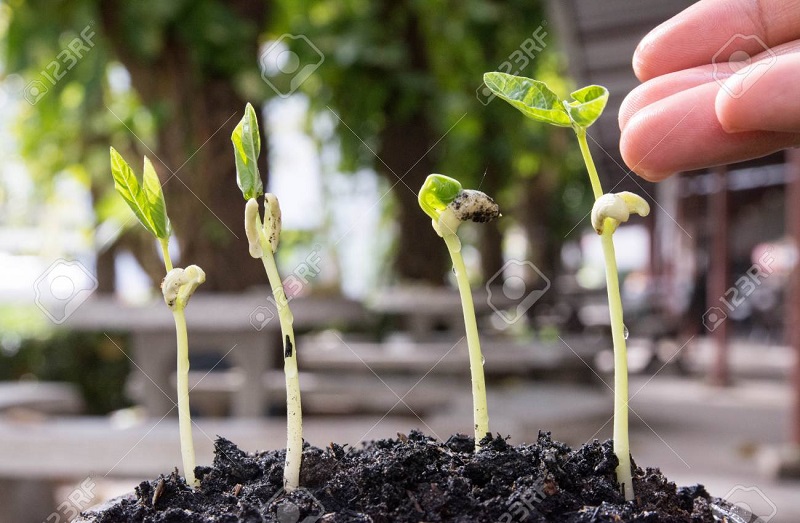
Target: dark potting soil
(415, 478)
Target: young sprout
(263, 243)
(535, 100)
(147, 203)
(443, 199)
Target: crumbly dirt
(415, 478)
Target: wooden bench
(322, 393)
(241, 328)
(42, 397)
(420, 309)
(571, 357)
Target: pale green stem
(184, 414)
(621, 441)
(165, 251)
(481, 410)
(597, 189)
(294, 411)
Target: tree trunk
(106, 272)
(421, 255)
(194, 157)
(405, 154)
(498, 169)
(491, 248)
(533, 211)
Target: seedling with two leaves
(536, 101)
(146, 200)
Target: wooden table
(242, 327)
(422, 308)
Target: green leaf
(436, 194)
(144, 203)
(588, 105)
(537, 101)
(532, 97)
(246, 148)
(154, 196)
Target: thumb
(761, 96)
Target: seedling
(263, 243)
(535, 100)
(147, 203)
(443, 199)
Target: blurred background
(359, 101)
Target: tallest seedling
(263, 240)
(536, 101)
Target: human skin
(696, 109)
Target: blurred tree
(191, 66)
(403, 79)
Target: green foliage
(437, 193)
(533, 98)
(98, 102)
(588, 105)
(95, 363)
(374, 73)
(536, 101)
(146, 201)
(246, 149)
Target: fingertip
(630, 105)
(727, 115)
(631, 149)
(641, 61)
(654, 176)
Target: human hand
(696, 108)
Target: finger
(660, 88)
(711, 31)
(671, 83)
(681, 133)
(762, 97)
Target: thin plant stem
(165, 252)
(621, 441)
(481, 411)
(184, 413)
(184, 417)
(597, 189)
(294, 411)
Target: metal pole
(792, 327)
(718, 277)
